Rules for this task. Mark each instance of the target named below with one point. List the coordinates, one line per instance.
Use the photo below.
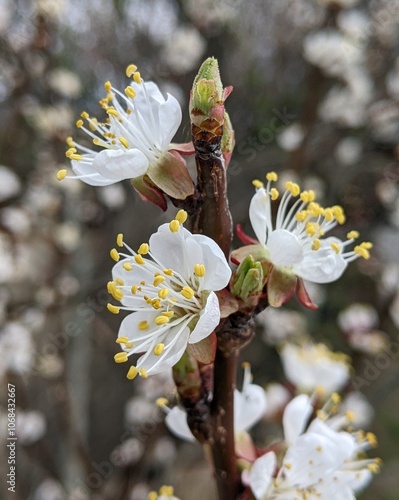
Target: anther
(114, 254)
(181, 216)
(124, 142)
(199, 270)
(161, 320)
(274, 194)
(143, 325)
(61, 174)
(107, 86)
(272, 176)
(168, 272)
(134, 289)
(143, 249)
(121, 357)
(119, 240)
(174, 226)
(132, 68)
(158, 280)
(113, 309)
(336, 247)
(162, 294)
(158, 349)
(79, 123)
(130, 92)
(112, 111)
(139, 259)
(257, 183)
(187, 292)
(122, 340)
(132, 373)
(316, 244)
(137, 77)
(161, 402)
(143, 373)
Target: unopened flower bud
(248, 279)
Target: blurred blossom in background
(316, 95)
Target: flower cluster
(134, 140)
(169, 285)
(320, 457)
(295, 243)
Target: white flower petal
(249, 407)
(261, 474)
(296, 416)
(169, 116)
(91, 177)
(259, 214)
(284, 248)
(217, 270)
(176, 422)
(117, 164)
(208, 321)
(169, 248)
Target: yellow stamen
(158, 349)
(361, 251)
(374, 468)
(143, 325)
(156, 303)
(107, 86)
(301, 216)
(115, 254)
(119, 240)
(130, 92)
(69, 141)
(85, 115)
(272, 176)
(152, 495)
(132, 373)
(113, 309)
(199, 270)
(139, 259)
(339, 214)
(122, 340)
(187, 292)
(132, 68)
(181, 216)
(79, 123)
(161, 320)
(162, 294)
(158, 280)
(372, 439)
(316, 244)
(120, 357)
(336, 247)
(119, 281)
(257, 183)
(143, 249)
(161, 402)
(293, 188)
(112, 111)
(134, 289)
(174, 226)
(61, 174)
(143, 373)
(168, 272)
(124, 142)
(167, 491)
(353, 235)
(274, 194)
(127, 266)
(169, 314)
(137, 77)
(335, 398)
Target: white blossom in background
(10, 185)
(295, 239)
(356, 25)
(65, 82)
(50, 489)
(359, 317)
(281, 324)
(384, 120)
(291, 137)
(348, 151)
(169, 286)
(31, 425)
(141, 124)
(250, 405)
(184, 49)
(332, 52)
(16, 349)
(17, 220)
(362, 412)
(128, 453)
(112, 196)
(278, 397)
(320, 457)
(313, 366)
